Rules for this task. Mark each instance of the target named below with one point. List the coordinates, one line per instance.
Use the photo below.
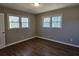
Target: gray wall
(69, 30)
(70, 25)
(14, 35)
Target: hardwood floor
(39, 47)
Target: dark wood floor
(39, 47)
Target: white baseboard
(19, 41)
(58, 41)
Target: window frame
(60, 23)
(43, 22)
(21, 22)
(51, 21)
(9, 22)
(8, 26)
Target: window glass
(24, 22)
(46, 22)
(56, 21)
(13, 22)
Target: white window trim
(61, 21)
(43, 20)
(19, 21)
(8, 21)
(28, 22)
(51, 21)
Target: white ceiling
(29, 7)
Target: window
(52, 21)
(13, 22)
(24, 22)
(46, 22)
(56, 21)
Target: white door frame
(2, 31)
